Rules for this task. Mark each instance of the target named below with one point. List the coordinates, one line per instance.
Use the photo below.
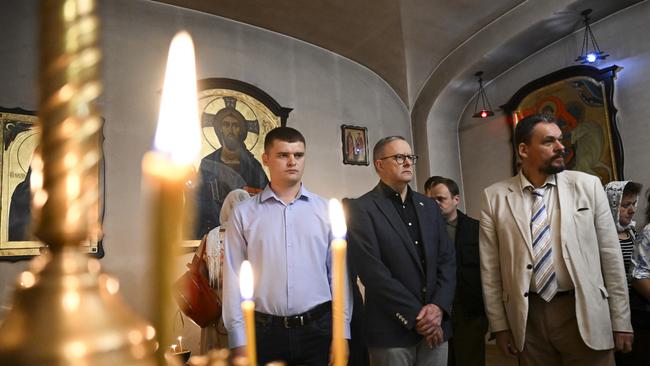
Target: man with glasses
(399, 246)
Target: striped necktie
(543, 271)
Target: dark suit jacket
(396, 285)
(468, 275)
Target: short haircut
(378, 150)
(524, 128)
(449, 183)
(632, 188)
(286, 134)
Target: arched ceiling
(405, 42)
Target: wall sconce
(486, 108)
(590, 52)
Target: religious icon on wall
(580, 98)
(20, 137)
(235, 118)
(355, 145)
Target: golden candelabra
(64, 310)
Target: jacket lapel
(515, 198)
(388, 210)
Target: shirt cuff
(347, 334)
(237, 337)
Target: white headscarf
(232, 199)
(614, 190)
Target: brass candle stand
(64, 310)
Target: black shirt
(406, 210)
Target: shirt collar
(551, 180)
(391, 193)
(268, 193)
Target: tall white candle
(339, 247)
(246, 287)
(166, 170)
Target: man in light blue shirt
(285, 233)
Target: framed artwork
(20, 136)
(355, 145)
(235, 118)
(581, 100)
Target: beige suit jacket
(590, 249)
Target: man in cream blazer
(567, 302)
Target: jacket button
(530, 266)
(424, 289)
(525, 294)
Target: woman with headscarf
(214, 336)
(623, 197)
(640, 294)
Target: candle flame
(178, 133)
(246, 280)
(337, 219)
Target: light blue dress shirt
(288, 246)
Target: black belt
(294, 321)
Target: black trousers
(304, 345)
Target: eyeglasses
(401, 158)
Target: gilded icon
(20, 137)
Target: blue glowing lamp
(589, 42)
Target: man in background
(468, 319)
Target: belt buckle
(286, 320)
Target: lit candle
(248, 309)
(339, 246)
(167, 168)
(173, 347)
(180, 343)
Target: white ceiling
(419, 46)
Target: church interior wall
(485, 144)
(324, 89)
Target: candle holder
(183, 355)
(167, 168)
(65, 311)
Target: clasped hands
(427, 324)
